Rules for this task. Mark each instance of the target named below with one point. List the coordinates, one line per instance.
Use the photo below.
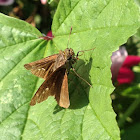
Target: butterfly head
(69, 54)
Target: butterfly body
(54, 70)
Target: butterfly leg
(81, 77)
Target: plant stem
(129, 111)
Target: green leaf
(132, 92)
(101, 24)
(132, 133)
(19, 44)
(50, 1)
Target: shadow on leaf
(78, 89)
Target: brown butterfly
(54, 70)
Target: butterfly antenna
(83, 52)
(69, 37)
(81, 77)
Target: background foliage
(102, 24)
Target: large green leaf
(101, 24)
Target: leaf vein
(100, 121)
(13, 112)
(19, 43)
(67, 15)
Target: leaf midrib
(18, 63)
(99, 28)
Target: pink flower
(6, 2)
(126, 75)
(122, 64)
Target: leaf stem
(129, 111)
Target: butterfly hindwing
(54, 86)
(63, 97)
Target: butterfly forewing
(42, 68)
(54, 85)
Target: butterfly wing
(42, 68)
(54, 85)
(62, 97)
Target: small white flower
(117, 58)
